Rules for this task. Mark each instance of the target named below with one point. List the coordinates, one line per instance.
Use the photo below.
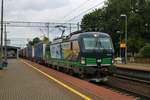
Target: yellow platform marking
(59, 82)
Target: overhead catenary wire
(84, 11)
(75, 9)
(34, 24)
(82, 4)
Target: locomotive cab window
(105, 43)
(91, 43)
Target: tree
(135, 44)
(45, 40)
(144, 52)
(107, 19)
(30, 43)
(36, 40)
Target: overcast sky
(44, 11)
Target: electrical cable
(84, 12)
(75, 9)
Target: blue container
(39, 52)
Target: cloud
(34, 10)
(35, 5)
(42, 11)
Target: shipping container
(29, 52)
(32, 52)
(21, 53)
(39, 52)
(24, 53)
(47, 53)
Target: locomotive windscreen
(91, 43)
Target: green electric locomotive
(88, 54)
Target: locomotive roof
(89, 34)
(82, 34)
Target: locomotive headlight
(95, 35)
(82, 60)
(112, 61)
(99, 60)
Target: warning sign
(122, 45)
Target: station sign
(122, 45)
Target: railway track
(134, 73)
(131, 80)
(139, 87)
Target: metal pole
(5, 44)
(70, 27)
(119, 45)
(1, 55)
(48, 30)
(78, 26)
(17, 53)
(126, 25)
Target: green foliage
(93, 21)
(107, 19)
(145, 51)
(30, 43)
(135, 43)
(35, 41)
(45, 40)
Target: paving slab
(19, 82)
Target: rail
(136, 86)
(134, 73)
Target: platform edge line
(59, 82)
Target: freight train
(87, 54)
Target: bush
(145, 51)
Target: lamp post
(5, 39)
(126, 23)
(1, 45)
(47, 30)
(120, 42)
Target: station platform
(26, 80)
(20, 82)
(136, 66)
